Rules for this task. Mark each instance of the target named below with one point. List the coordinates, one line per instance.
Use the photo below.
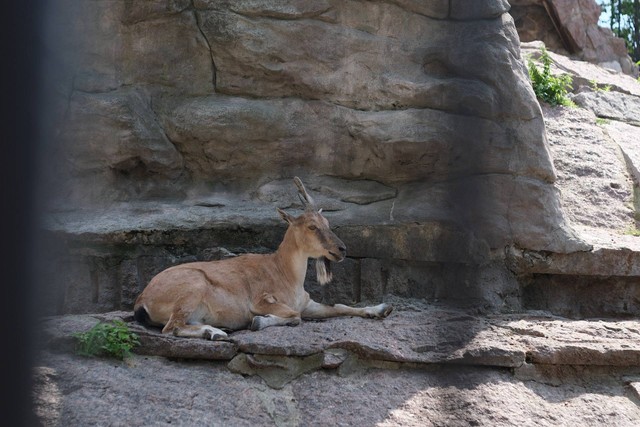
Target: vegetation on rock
(547, 87)
(107, 339)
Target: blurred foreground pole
(21, 43)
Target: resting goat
(199, 299)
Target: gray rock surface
(596, 187)
(164, 100)
(627, 137)
(156, 391)
(423, 365)
(594, 147)
(571, 27)
(416, 333)
(607, 105)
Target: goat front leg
(269, 312)
(315, 310)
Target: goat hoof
(387, 310)
(294, 322)
(212, 336)
(255, 324)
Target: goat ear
(285, 215)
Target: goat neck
(291, 259)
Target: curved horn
(305, 198)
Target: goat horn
(305, 198)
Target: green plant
(596, 88)
(547, 87)
(600, 121)
(107, 339)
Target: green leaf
(107, 339)
(547, 87)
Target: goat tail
(141, 316)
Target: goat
(200, 299)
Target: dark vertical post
(20, 86)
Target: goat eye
(313, 227)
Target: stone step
(100, 261)
(415, 333)
(603, 282)
(612, 255)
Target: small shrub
(547, 87)
(597, 88)
(107, 339)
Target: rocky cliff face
(183, 123)
(165, 98)
(413, 122)
(571, 27)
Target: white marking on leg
(261, 322)
(200, 331)
(380, 310)
(211, 333)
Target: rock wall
(570, 27)
(414, 123)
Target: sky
(604, 17)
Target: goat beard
(323, 270)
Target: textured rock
(584, 74)
(398, 368)
(596, 44)
(594, 151)
(373, 63)
(275, 371)
(75, 391)
(389, 146)
(470, 9)
(118, 130)
(373, 218)
(414, 333)
(153, 42)
(570, 27)
(58, 335)
(425, 199)
(593, 148)
(627, 137)
(253, 92)
(415, 225)
(596, 188)
(608, 105)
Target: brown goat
(199, 299)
